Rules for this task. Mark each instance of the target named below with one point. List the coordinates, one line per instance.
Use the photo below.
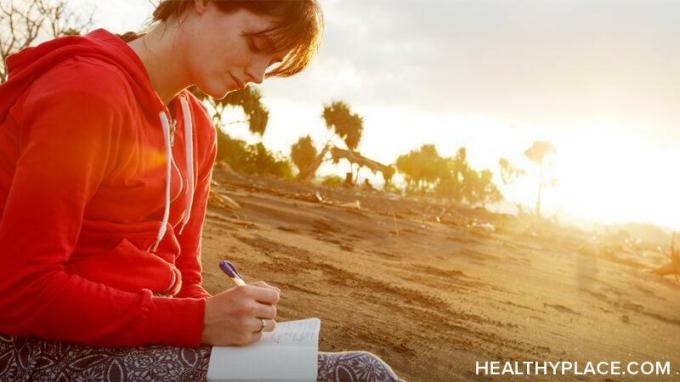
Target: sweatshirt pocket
(126, 267)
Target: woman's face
(219, 55)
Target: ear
(200, 6)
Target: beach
(434, 289)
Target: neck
(159, 52)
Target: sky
(600, 79)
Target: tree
(509, 173)
(303, 153)
(354, 157)
(451, 178)
(332, 181)
(387, 174)
(433, 165)
(453, 185)
(479, 188)
(249, 99)
(458, 165)
(346, 125)
(251, 159)
(422, 168)
(406, 165)
(234, 152)
(268, 163)
(537, 153)
(409, 165)
(240, 156)
(23, 22)
(343, 123)
(244, 158)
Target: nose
(256, 71)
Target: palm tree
(537, 153)
(249, 99)
(347, 125)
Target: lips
(239, 83)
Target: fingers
(269, 325)
(255, 325)
(239, 315)
(264, 311)
(263, 294)
(265, 285)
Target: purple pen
(230, 270)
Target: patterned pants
(31, 359)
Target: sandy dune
(432, 290)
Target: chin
(214, 94)
(215, 90)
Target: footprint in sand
(560, 308)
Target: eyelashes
(253, 46)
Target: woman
(105, 166)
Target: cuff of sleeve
(193, 291)
(176, 321)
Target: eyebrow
(266, 35)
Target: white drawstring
(168, 173)
(189, 151)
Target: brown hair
(297, 31)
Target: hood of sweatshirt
(29, 64)
(24, 67)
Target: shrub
(251, 159)
(332, 181)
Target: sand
(433, 289)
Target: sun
(611, 177)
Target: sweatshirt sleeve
(64, 145)
(189, 262)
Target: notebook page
(288, 354)
(293, 333)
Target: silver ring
(261, 327)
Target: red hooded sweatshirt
(102, 198)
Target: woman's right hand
(233, 317)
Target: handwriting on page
(301, 332)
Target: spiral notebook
(287, 354)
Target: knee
(374, 362)
(368, 356)
(354, 366)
